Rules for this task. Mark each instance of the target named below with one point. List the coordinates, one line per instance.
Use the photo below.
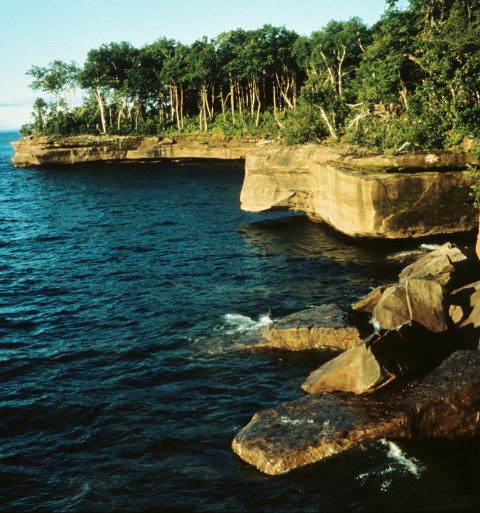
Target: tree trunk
(232, 100)
(330, 127)
(101, 107)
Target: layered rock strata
(50, 151)
(362, 194)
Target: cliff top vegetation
(409, 82)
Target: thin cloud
(21, 102)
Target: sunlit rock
(50, 151)
(368, 303)
(447, 265)
(362, 194)
(405, 352)
(445, 404)
(392, 308)
(465, 313)
(416, 299)
(313, 328)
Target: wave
(412, 254)
(238, 323)
(410, 465)
(397, 463)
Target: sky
(37, 32)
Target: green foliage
(412, 81)
(304, 124)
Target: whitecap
(397, 462)
(238, 323)
(429, 247)
(409, 464)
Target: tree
(60, 79)
(331, 58)
(106, 73)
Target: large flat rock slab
(56, 151)
(312, 328)
(446, 403)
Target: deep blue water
(128, 294)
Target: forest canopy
(412, 81)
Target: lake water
(129, 298)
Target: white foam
(397, 462)
(411, 465)
(401, 256)
(429, 247)
(238, 323)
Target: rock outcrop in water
(313, 328)
(420, 378)
(362, 194)
(57, 151)
(446, 403)
(356, 192)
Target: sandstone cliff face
(49, 151)
(361, 194)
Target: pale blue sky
(36, 32)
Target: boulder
(416, 299)
(446, 265)
(406, 352)
(368, 303)
(392, 308)
(321, 326)
(426, 304)
(465, 313)
(356, 370)
(443, 404)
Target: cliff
(358, 193)
(50, 151)
(362, 194)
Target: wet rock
(443, 404)
(405, 352)
(321, 326)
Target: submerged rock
(316, 327)
(446, 404)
